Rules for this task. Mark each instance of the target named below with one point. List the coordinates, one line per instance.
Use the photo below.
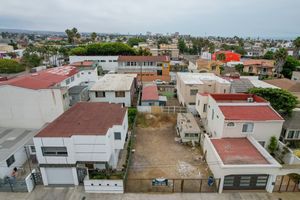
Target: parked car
(159, 82)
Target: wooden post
(200, 189)
(282, 177)
(182, 183)
(287, 187)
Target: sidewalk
(56, 193)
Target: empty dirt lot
(158, 155)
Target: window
(198, 102)
(204, 107)
(102, 60)
(100, 94)
(191, 135)
(82, 73)
(120, 93)
(297, 134)
(78, 75)
(54, 151)
(262, 143)
(192, 103)
(212, 114)
(248, 127)
(89, 72)
(10, 160)
(68, 81)
(193, 92)
(72, 78)
(117, 135)
(32, 149)
(110, 60)
(291, 134)
(230, 124)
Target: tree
(31, 60)
(281, 100)
(8, 66)
(105, 49)
(72, 35)
(296, 43)
(239, 68)
(182, 46)
(280, 57)
(143, 52)
(273, 145)
(289, 66)
(221, 56)
(269, 55)
(93, 36)
(162, 40)
(135, 41)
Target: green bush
(8, 66)
(105, 49)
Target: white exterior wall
(107, 65)
(20, 159)
(27, 108)
(262, 131)
(82, 147)
(89, 75)
(200, 101)
(110, 97)
(220, 170)
(104, 186)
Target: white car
(159, 82)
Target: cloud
(196, 17)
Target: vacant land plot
(157, 154)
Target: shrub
(8, 66)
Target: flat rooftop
(238, 151)
(199, 78)
(238, 98)
(114, 82)
(11, 139)
(188, 123)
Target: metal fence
(162, 109)
(172, 185)
(9, 184)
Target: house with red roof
(150, 96)
(238, 128)
(226, 56)
(83, 141)
(31, 100)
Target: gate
(286, 184)
(172, 185)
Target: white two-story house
(88, 136)
(239, 115)
(114, 88)
(238, 130)
(31, 100)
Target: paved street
(51, 193)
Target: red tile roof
(236, 97)
(143, 59)
(150, 93)
(43, 79)
(260, 62)
(252, 113)
(82, 64)
(238, 151)
(85, 118)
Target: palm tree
(280, 58)
(297, 47)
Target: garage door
(245, 182)
(60, 176)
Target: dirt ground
(157, 154)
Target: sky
(253, 18)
